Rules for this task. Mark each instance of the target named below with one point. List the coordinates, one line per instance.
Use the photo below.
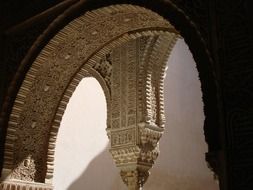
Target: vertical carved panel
(138, 68)
(115, 114)
(144, 43)
(123, 91)
(132, 83)
(123, 85)
(146, 47)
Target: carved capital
(150, 135)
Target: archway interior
(82, 157)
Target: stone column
(136, 119)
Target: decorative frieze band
(22, 185)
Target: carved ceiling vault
(125, 48)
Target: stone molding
(18, 185)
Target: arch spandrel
(47, 82)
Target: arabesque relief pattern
(125, 48)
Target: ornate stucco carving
(93, 45)
(137, 115)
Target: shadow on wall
(103, 174)
(181, 164)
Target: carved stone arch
(95, 68)
(211, 96)
(188, 30)
(53, 76)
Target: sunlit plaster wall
(82, 158)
